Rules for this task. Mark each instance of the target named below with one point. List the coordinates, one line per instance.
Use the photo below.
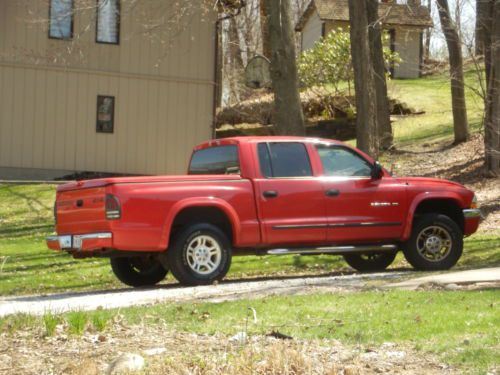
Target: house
(103, 85)
(404, 22)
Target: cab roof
(270, 138)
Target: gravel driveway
(59, 303)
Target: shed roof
(389, 13)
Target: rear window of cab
(215, 160)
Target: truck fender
(200, 202)
(423, 197)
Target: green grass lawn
(433, 95)
(28, 267)
(461, 327)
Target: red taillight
(113, 209)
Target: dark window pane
(105, 122)
(264, 160)
(290, 159)
(61, 19)
(342, 162)
(108, 21)
(216, 160)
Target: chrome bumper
(472, 213)
(76, 241)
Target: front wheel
(436, 243)
(138, 271)
(199, 255)
(370, 262)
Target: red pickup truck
(263, 195)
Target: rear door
(358, 207)
(290, 198)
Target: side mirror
(377, 171)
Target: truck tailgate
(81, 211)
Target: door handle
(332, 193)
(270, 194)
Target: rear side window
(284, 159)
(216, 160)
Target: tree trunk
(366, 114)
(428, 34)
(234, 62)
(220, 66)
(482, 14)
(378, 63)
(289, 119)
(460, 125)
(492, 118)
(264, 30)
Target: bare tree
(460, 124)
(428, 35)
(289, 118)
(266, 47)
(233, 61)
(379, 75)
(366, 123)
(482, 15)
(490, 22)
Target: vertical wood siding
(408, 46)
(162, 84)
(311, 32)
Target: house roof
(389, 13)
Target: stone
(451, 286)
(154, 351)
(351, 370)
(240, 338)
(125, 363)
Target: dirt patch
(463, 163)
(180, 353)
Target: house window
(108, 21)
(61, 19)
(105, 114)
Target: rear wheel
(199, 255)
(138, 271)
(370, 262)
(436, 243)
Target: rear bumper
(81, 242)
(472, 218)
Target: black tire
(213, 261)
(436, 243)
(370, 262)
(138, 271)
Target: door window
(284, 159)
(342, 162)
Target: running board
(333, 250)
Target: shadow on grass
(440, 131)
(30, 200)
(41, 267)
(23, 231)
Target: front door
(291, 200)
(359, 207)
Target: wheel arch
(208, 210)
(447, 204)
